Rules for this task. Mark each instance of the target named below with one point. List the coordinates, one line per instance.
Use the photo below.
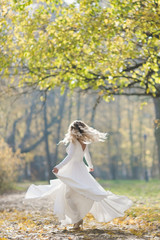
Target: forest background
(35, 128)
(63, 62)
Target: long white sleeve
(68, 157)
(88, 158)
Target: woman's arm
(67, 158)
(88, 159)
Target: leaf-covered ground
(142, 221)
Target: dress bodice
(76, 153)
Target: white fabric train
(76, 193)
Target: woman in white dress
(76, 193)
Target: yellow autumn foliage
(11, 165)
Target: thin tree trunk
(140, 160)
(78, 105)
(130, 119)
(112, 159)
(117, 140)
(70, 110)
(154, 163)
(86, 106)
(157, 127)
(28, 125)
(49, 163)
(94, 110)
(60, 117)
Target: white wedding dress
(76, 193)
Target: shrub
(11, 165)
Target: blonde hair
(78, 130)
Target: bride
(76, 193)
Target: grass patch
(136, 189)
(23, 186)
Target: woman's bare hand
(55, 170)
(91, 169)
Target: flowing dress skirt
(76, 193)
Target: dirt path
(20, 221)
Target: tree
(113, 50)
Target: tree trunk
(86, 106)
(50, 174)
(70, 111)
(132, 157)
(140, 159)
(78, 105)
(11, 139)
(28, 122)
(93, 114)
(117, 139)
(112, 158)
(60, 117)
(157, 127)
